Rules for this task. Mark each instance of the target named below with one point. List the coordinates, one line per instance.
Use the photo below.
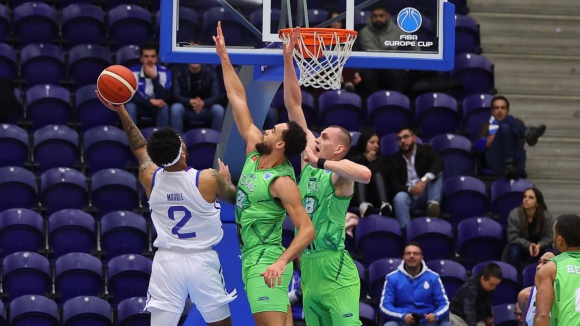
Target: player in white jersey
(186, 216)
(527, 296)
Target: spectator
(153, 88)
(506, 154)
(377, 35)
(527, 296)
(414, 176)
(367, 153)
(530, 232)
(295, 295)
(519, 315)
(414, 294)
(471, 305)
(197, 96)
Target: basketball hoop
(320, 54)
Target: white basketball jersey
(182, 218)
(531, 307)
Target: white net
(322, 56)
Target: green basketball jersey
(325, 208)
(566, 306)
(258, 216)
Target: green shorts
(260, 296)
(331, 289)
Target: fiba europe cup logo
(409, 20)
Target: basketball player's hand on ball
(220, 42)
(224, 171)
(115, 107)
(287, 49)
(273, 274)
(309, 157)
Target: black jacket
(209, 88)
(471, 302)
(426, 160)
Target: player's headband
(178, 155)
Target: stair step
(559, 207)
(533, 7)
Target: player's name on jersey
(175, 197)
(409, 40)
(572, 269)
(247, 182)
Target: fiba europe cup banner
(409, 21)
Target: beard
(410, 149)
(263, 148)
(380, 25)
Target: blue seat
(77, 274)
(86, 62)
(341, 108)
(189, 27)
(435, 236)
(456, 152)
(378, 237)
(33, 310)
(82, 23)
(2, 315)
(56, 146)
(256, 18)
(476, 111)
(504, 315)
(148, 131)
(364, 286)
(35, 22)
(479, 239)
(131, 312)
(128, 277)
(113, 190)
(17, 188)
(529, 275)
(106, 147)
(71, 230)
(20, 230)
(25, 273)
(123, 233)
(233, 30)
(507, 291)
(378, 270)
(316, 16)
(308, 107)
(467, 38)
(436, 114)
(129, 24)
(452, 274)
(8, 68)
(90, 111)
(506, 195)
(62, 188)
(14, 145)
(128, 56)
(5, 26)
(464, 197)
(388, 111)
(475, 73)
(42, 63)
(367, 314)
(201, 145)
(48, 105)
(86, 311)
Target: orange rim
(313, 44)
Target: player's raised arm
(545, 297)
(344, 168)
(237, 95)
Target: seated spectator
(295, 295)
(197, 95)
(519, 315)
(530, 229)
(415, 177)
(505, 136)
(471, 305)
(527, 296)
(153, 88)
(373, 194)
(379, 31)
(413, 294)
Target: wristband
(320, 163)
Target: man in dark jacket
(471, 305)
(197, 95)
(415, 177)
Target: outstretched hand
(114, 107)
(220, 42)
(288, 49)
(224, 171)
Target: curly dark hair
(163, 146)
(568, 227)
(294, 138)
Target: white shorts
(176, 274)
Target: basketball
(117, 84)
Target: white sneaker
(365, 209)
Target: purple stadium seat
(363, 280)
(86, 62)
(5, 26)
(316, 16)
(82, 23)
(90, 111)
(7, 62)
(341, 108)
(504, 315)
(128, 277)
(17, 188)
(388, 110)
(378, 270)
(288, 231)
(475, 73)
(256, 19)
(35, 22)
(308, 107)
(201, 145)
(367, 314)
(457, 153)
(479, 239)
(2, 315)
(148, 131)
(130, 312)
(452, 274)
(232, 29)
(123, 233)
(56, 146)
(62, 188)
(435, 235)
(25, 273)
(189, 29)
(390, 145)
(464, 197)
(529, 275)
(33, 310)
(48, 105)
(506, 195)
(128, 56)
(77, 274)
(113, 190)
(71, 230)
(60, 5)
(86, 311)
(467, 39)
(436, 114)
(507, 291)
(129, 24)
(378, 237)
(13, 145)
(42, 63)
(476, 111)
(20, 230)
(106, 147)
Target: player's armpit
(545, 286)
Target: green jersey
(325, 208)
(566, 305)
(259, 217)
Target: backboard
(422, 32)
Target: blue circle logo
(409, 20)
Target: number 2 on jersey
(186, 216)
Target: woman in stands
(530, 231)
